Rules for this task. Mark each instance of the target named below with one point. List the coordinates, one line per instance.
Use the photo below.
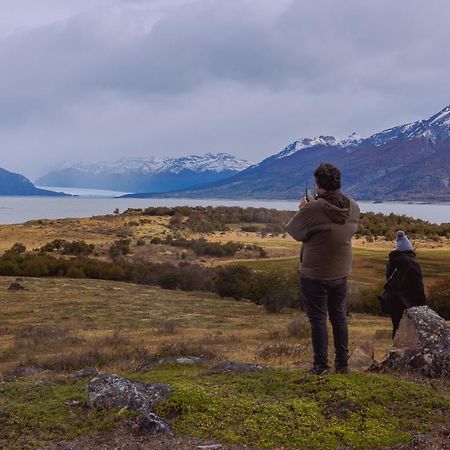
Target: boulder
(421, 344)
(111, 391)
(362, 357)
(236, 367)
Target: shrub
(439, 298)
(233, 281)
(76, 248)
(365, 300)
(275, 290)
(18, 248)
(119, 248)
(299, 327)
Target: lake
(92, 202)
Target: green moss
(292, 410)
(32, 414)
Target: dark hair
(328, 177)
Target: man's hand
(303, 202)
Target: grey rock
(16, 287)
(151, 423)
(183, 360)
(421, 344)
(236, 367)
(362, 357)
(209, 447)
(111, 391)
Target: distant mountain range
(407, 162)
(147, 174)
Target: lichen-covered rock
(183, 360)
(111, 391)
(421, 343)
(236, 367)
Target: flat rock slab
(183, 360)
(421, 344)
(111, 391)
(236, 367)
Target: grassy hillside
(58, 326)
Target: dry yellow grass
(126, 323)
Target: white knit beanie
(403, 243)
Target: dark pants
(396, 313)
(322, 297)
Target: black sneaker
(343, 370)
(318, 371)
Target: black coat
(406, 286)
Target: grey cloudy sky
(102, 79)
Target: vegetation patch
(274, 409)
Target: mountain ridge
(135, 174)
(406, 162)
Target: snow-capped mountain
(208, 162)
(152, 174)
(407, 162)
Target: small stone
(183, 360)
(209, 447)
(151, 423)
(16, 287)
(72, 403)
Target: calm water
(90, 203)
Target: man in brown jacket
(325, 225)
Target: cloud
(105, 79)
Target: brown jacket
(326, 231)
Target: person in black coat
(404, 286)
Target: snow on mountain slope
(434, 129)
(209, 162)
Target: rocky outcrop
(421, 343)
(111, 391)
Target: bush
(76, 248)
(233, 281)
(18, 248)
(439, 298)
(299, 327)
(275, 290)
(365, 300)
(119, 248)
